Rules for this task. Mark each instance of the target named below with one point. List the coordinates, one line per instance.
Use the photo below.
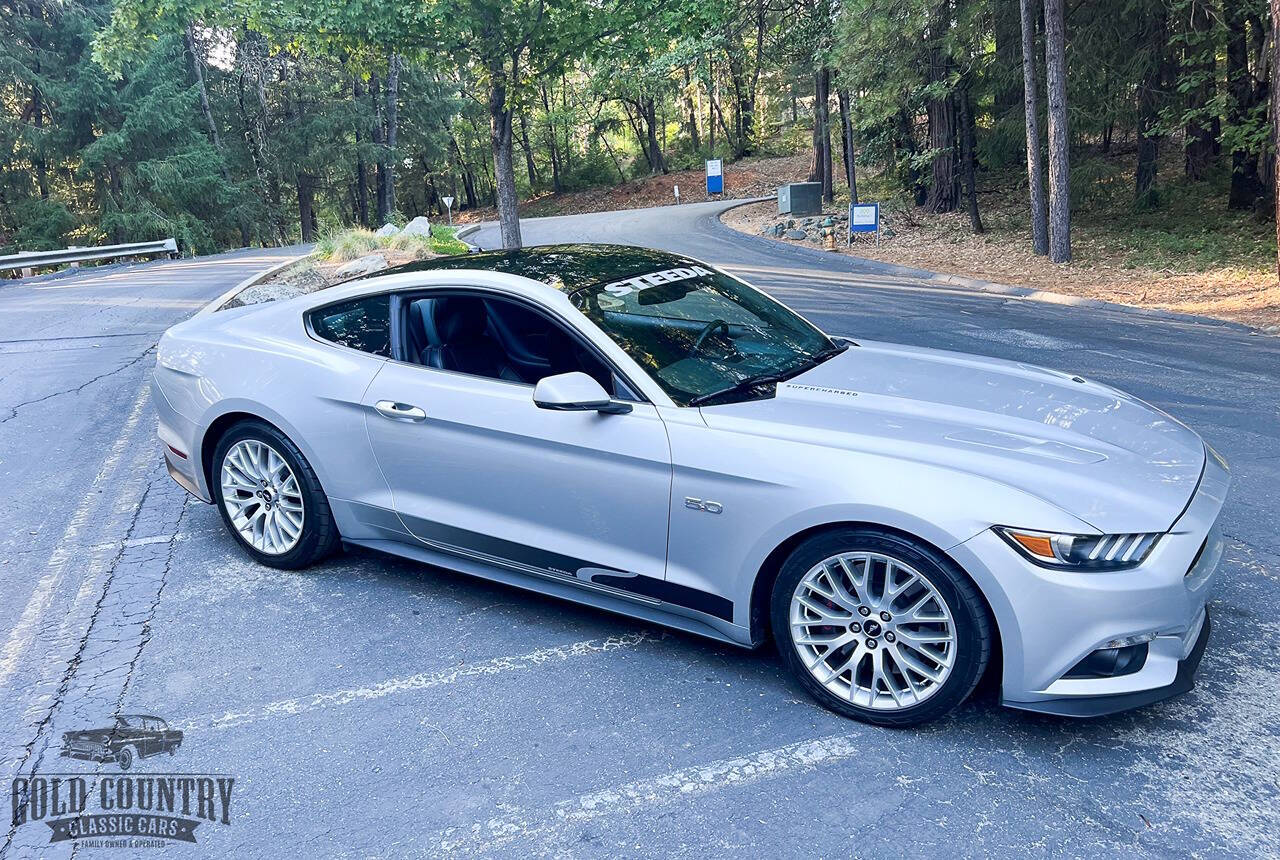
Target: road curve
(375, 706)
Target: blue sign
(715, 176)
(864, 218)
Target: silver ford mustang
(643, 433)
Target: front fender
(774, 489)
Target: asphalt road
(376, 708)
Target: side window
(363, 324)
(497, 339)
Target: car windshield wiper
(759, 379)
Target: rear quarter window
(363, 324)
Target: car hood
(1103, 456)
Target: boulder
(387, 230)
(419, 226)
(362, 265)
(796, 234)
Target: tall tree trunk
(691, 109)
(1030, 97)
(1246, 185)
(657, 162)
(820, 170)
(388, 163)
(941, 110)
(1005, 81)
(37, 159)
(747, 96)
(362, 171)
(1149, 92)
(567, 147)
(711, 105)
(269, 173)
(968, 145)
(551, 139)
(846, 138)
(942, 116)
(380, 183)
(1275, 120)
(197, 69)
(500, 116)
(1055, 55)
(469, 187)
(529, 166)
(1200, 63)
(306, 205)
(637, 128)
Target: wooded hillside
(272, 121)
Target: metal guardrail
(28, 261)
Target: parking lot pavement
(373, 707)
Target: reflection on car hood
(1097, 453)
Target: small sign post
(715, 176)
(676, 188)
(448, 205)
(864, 218)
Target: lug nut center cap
(872, 628)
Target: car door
(476, 468)
(149, 738)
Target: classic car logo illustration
(121, 810)
(131, 737)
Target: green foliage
(104, 135)
(347, 245)
(352, 244)
(40, 225)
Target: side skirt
(579, 591)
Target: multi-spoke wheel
(262, 497)
(270, 498)
(880, 627)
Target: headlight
(1080, 552)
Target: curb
(251, 281)
(462, 232)
(1029, 293)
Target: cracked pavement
(374, 707)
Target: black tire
(124, 758)
(319, 532)
(973, 626)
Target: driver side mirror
(576, 392)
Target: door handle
(399, 411)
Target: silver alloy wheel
(262, 497)
(873, 630)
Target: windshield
(703, 336)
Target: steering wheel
(708, 330)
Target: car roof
(567, 268)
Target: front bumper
(1100, 706)
(1051, 620)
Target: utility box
(800, 198)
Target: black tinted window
(700, 333)
(363, 324)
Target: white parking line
(424, 681)
(68, 546)
(544, 830)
